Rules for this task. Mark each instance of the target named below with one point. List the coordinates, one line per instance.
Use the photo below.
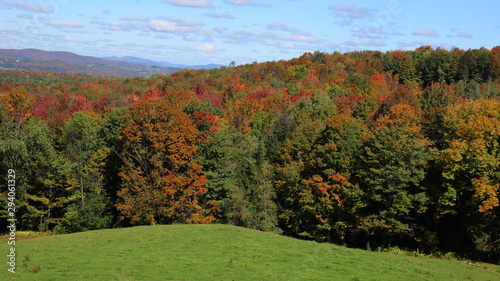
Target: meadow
(216, 252)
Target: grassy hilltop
(215, 252)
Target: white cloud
(345, 22)
(351, 11)
(220, 29)
(281, 26)
(167, 26)
(98, 22)
(131, 17)
(248, 3)
(205, 48)
(287, 45)
(23, 5)
(409, 46)
(25, 16)
(220, 16)
(425, 32)
(299, 38)
(189, 3)
(201, 48)
(183, 22)
(157, 25)
(376, 43)
(351, 45)
(125, 26)
(464, 35)
(242, 2)
(72, 24)
(205, 32)
(73, 39)
(250, 32)
(269, 42)
(189, 37)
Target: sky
(244, 31)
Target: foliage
(161, 182)
(363, 148)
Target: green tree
(317, 196)
(42, 194)
(80, 142)
(238, 180)
(393, 165)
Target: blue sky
(244, 31)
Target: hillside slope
(67, 62)
(215, 252)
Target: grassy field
(214, 252)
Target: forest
(363, 149)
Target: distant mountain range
(166, 64)
(67, 62)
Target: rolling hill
(215, 252)
(67, 62)
(159, 63)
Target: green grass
(214, 252)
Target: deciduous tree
(161, 182)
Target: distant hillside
(215, 252)
(67, 62)
(158, 63)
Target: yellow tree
(18, 103)
(161, 183)
(472, 152)
(470, 162)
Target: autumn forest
(363, 149)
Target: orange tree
(161, 183)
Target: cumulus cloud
(201, 48)
(131, 17)
(425, 32)
(248, 3)
(125, 26)
(72, 24)
(190, 37)
(299, 38)
(281, 26)
(205, 48)
(352, 11)
(409, 46)
(376, 43)
(73, 39)
(464, 35)
(242, 2)
(294, 40)
(184, 22)
(161, 25)
(281, 45)
(25, 16)
(189, 3)
(220, 16)
(220, 29)
(23, 5)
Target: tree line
(388, 149)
